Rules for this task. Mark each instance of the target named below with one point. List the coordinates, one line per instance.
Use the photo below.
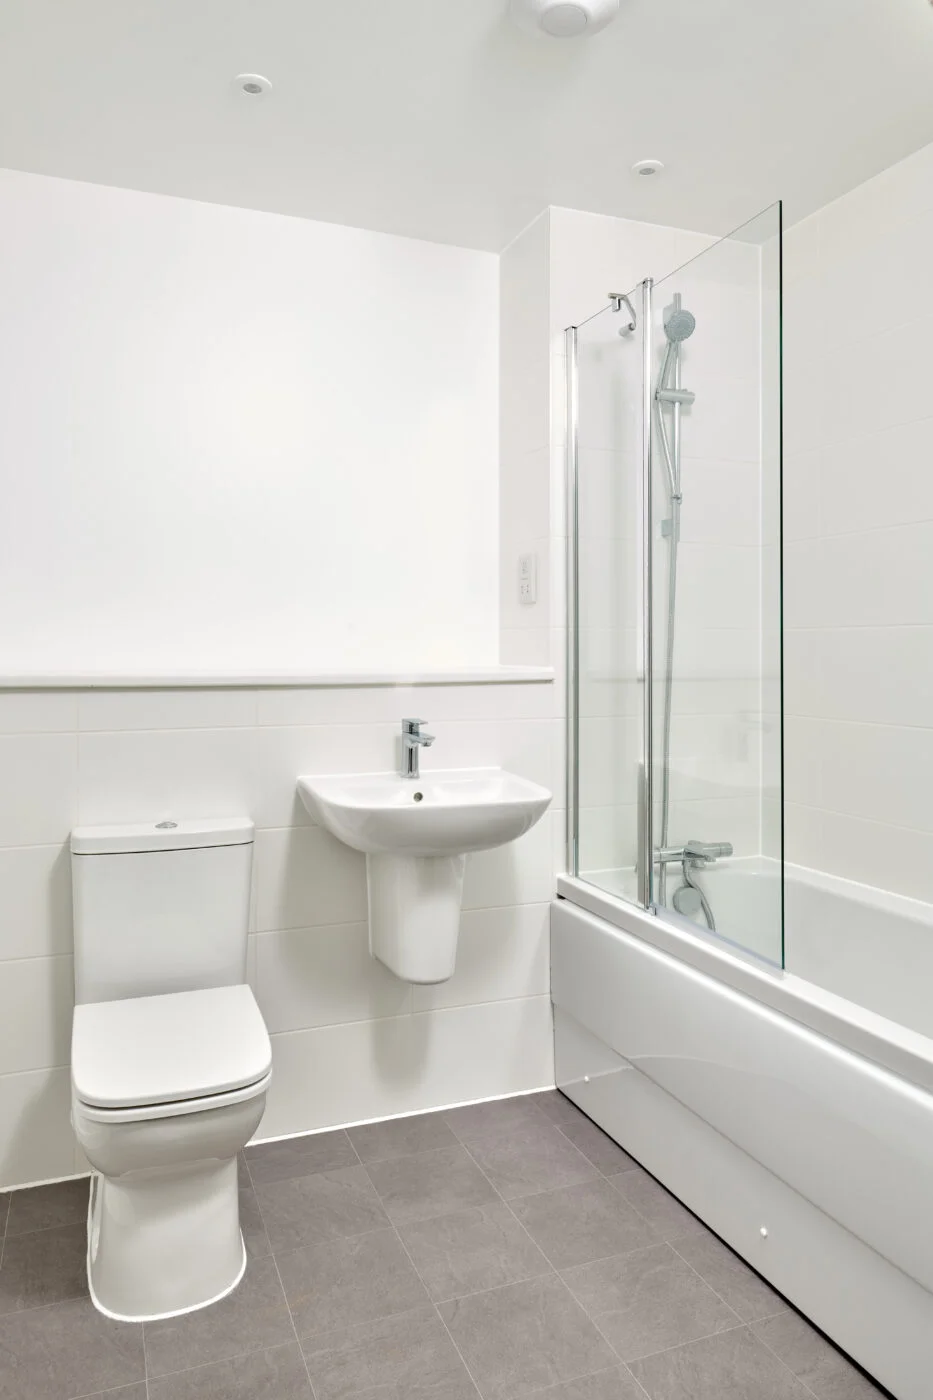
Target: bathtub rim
(904, 1052)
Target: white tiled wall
(349, 1040)
(858, 492)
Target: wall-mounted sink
(439, 814)
(415, 833)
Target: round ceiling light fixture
(647, 167)
(564, 19)
(252, 85)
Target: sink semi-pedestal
(416, 834)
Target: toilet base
(165, 1241)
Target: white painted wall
(349, 1040)
(858, 490)
(239, 441)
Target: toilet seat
(160, 1056)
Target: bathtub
(795, 1121)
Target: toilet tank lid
(166, 835)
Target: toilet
(170, 1059)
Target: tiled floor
(503, 1250)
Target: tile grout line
(554, 1271)
(437, 1313)
(786, 1366)
(275, 1265)
(558, 1274)
(291, 1318)
(748, 1321)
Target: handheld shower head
(679, 324)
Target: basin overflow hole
(417, 796)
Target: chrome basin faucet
(413, 741)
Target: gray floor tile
(348, 1282)
(397, 1359)
(432, 1183)
(829, 1374)
(252, 1318)
(477, 1120)
(301, 1156)
(662, 1210)
(730, 1366)
(401, 1137)
(252, 1225)
(733, 1280)
(327, 1206)
(472, 1250)
(122, 1392)
(557, 1107)
(4, 1211)
(648, 1301)
(67, 1349)
(45, 1266)
(617, 1384)
(597, 1146)
(275, 1374)
(41, 1207)
(524, 1337)
(581, 1223)
(531, 1157)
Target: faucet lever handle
(412, 726)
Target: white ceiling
(439, 119)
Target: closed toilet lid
(184, 1045)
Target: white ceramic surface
(150, 921)
(170, 1060)
(416, 833)
(444, 813)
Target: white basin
(416, 833)
(444, 813)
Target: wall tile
(166, 709)
(36, 912)
(519, 873)
(408, 1064)
(525, 747)
(323, 976)
(34, 711)
(501, 953)
(878, 578)
(305, 877)
(37, 1143)
(880, 675)
(872, 853)
(36, 1003)
(285, 754)
(38, 788)
(149, 775)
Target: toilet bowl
(170, 1059)
(165, 1092)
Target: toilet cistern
(413, 741)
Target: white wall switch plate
(528, 578)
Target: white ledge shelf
(259, 680)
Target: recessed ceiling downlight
(252, 85)
(564, 19)
(647, 167)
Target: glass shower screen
(675, 474)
